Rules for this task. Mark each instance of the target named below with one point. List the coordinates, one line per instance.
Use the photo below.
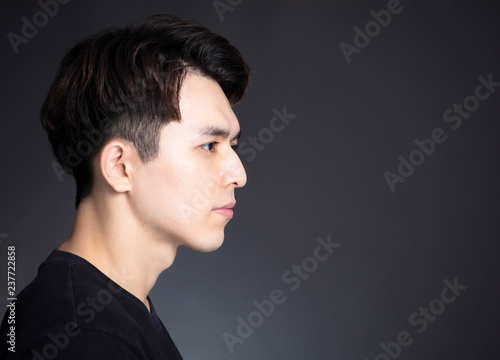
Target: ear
(116, 163)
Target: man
(142, 118)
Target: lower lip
(227, 213)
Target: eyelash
(214, 143)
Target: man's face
(186, 193)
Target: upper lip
(229, 205)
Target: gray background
(322, 175)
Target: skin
(138, 213)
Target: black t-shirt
(72, 310)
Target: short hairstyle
(125, 83)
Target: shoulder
(81, 343)
(68, 308)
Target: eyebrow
(212, 131)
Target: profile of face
(187, 192)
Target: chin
(206, 244)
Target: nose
(234, 172)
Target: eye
(209, 147)
(235, 147)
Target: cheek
(196, 190)
(176, 192)
(153, 193)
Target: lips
(226, 210)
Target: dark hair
(125, 83)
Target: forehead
(203, 104)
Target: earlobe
(115, 165)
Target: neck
(119, 247)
